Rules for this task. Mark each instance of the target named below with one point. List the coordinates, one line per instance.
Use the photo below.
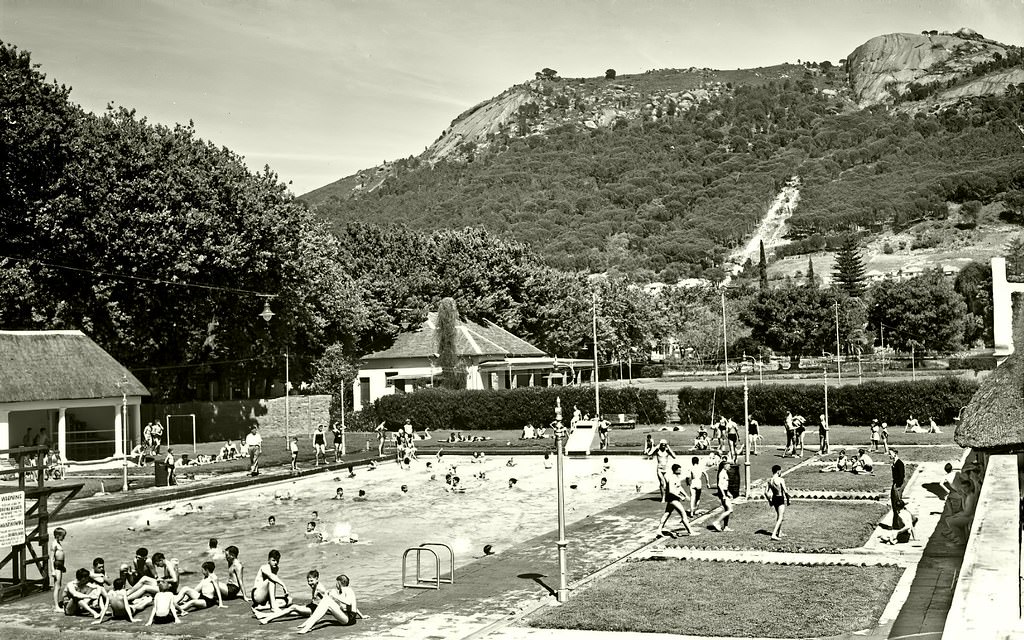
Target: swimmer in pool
(604, 483)
(271, 521)
(512, 483)
(339, 494)
(361, 497)
(405, 488)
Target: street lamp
(597, 371)
(758, 364)
(746, 431)
(123, 386)
(267, 315)
(824, 371)
(725, 341)
(563, 590)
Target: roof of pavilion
(994, 418)
(472, 339)
(59, 365)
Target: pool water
(383, 526)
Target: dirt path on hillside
(772, 229)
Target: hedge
(892, 402)
(509, 409)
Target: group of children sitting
(861, 463)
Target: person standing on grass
(822, 434)
(254, 444)
(790, 437)
(874, 435)
(885, 436)
(778, 498)
(675, 498)
(899, 477)
(721, 523)
(754, 433)
(732, 432)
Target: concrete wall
(986, 603)
(226, 419)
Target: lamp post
(563, 590)
(725, 341)
(746, 431)
(597, 372)
(760, 367)
(824, 372)
(343, 450)
(267, 315)
(839, 365)
(123, 386)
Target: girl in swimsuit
(778, 498)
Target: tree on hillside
(453, 373)
(849, 272)
(762, 269)
(812, 280)
(925, 311)
(609, 74)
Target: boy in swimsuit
(778, 498)
(231, 588)
(698, 480)
(675, 495)
(99, 573)
(293, 447)
(157, 572)
(266, 584)
(340, 602)
(722, 522)
(117, 604)
(206, 594)
(58, 565)
(661, 454)
(163, 607)
(83, 594)
(304, 610)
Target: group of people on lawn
(153, 582)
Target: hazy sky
(319, 90)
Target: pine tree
(811, 279)
(453, 375)
(762, 269)
(849, 274)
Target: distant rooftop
(472, 339)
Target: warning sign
(12, 519)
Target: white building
(493, 359)
(62, 384)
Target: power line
(176, 283)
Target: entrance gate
(19, 567)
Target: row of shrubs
(438, 409)
(892, 402)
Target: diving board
(581, 439)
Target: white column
(1002, 309)
(5, 431)
(118, 438)
(134, 425)
(62, 433)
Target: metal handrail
(451, 560)
(421, 584)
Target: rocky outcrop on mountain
(882, 69)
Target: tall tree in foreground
(812, 280)
(452, 374)
(762, 269)
(849, 274)
(925, 311)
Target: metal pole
(124, 438)
(563, 589)
(597, 373)
(725, 341)
(839, 365)
(825, 372)
(746, 448)
(287, 410)
(913, 362)
(343, 418)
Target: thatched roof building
(59, 388)
(993, 420)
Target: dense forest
(664, 198)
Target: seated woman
(528, 433)
(903, 522)
(701, 442)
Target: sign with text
(12, 519)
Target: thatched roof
(472, 339)
(59, 365)
(994, 418)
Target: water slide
(581, 439)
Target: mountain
(662, 174)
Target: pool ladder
(434, 583)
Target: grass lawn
(810, 478)
(932, 454)
(810, 526)
(742, 600)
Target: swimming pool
(388, 522)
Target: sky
(318, 90)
